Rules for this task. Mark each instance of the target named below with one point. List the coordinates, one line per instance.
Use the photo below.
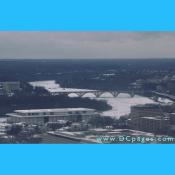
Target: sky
(59, 45)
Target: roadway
(171, 97)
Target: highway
(171, 97)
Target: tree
(14, 130)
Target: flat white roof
(53, 110)
(38, 116)
(155, 118)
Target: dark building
(172, 124)
(157, 124)
(147, 110)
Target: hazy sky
(87, 45)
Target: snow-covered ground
(120, 105)
(48, 85)
(3, 120)
(164, 100)
(53, 87)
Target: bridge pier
(80, 94)
(114, 93)
(132, 94)
(98, 94)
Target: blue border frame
(87, 15)
(86, 159)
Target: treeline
(9, 104)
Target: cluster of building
(161, 84)
(145, 120)
(154, 118)
(24, 125)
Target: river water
(121, 105)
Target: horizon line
(141, 58)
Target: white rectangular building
(41, 116)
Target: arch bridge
(96, 93)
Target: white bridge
(54, 89)
(96, 93)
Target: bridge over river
(54, 89)
(96, 93)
